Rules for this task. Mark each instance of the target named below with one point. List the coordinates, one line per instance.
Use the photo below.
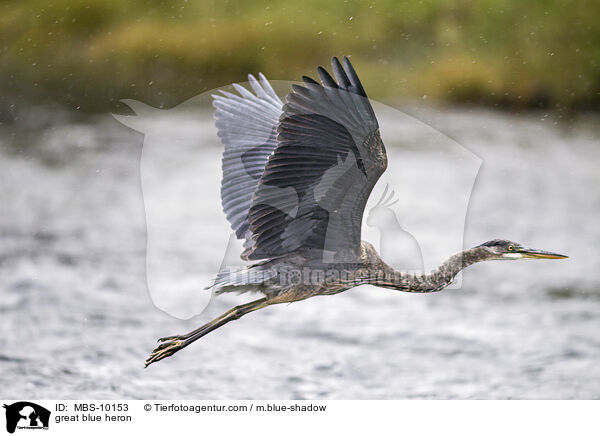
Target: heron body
(296, 180)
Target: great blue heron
(296, 179)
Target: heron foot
(165, 349)
(170, 345)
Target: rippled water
(77, 319)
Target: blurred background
(87, 55)
(516, 84)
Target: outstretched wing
(247, 126)
(330, 152)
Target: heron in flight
(296, 179)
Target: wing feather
(247, 126)
(329, 155)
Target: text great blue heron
(296, 179)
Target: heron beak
(530, 253)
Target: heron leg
(172, 344)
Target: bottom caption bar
(299, 417)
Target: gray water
(77, 319)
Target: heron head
(503, 249)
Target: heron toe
(164, 350)
(171, 338)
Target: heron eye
(511, 247)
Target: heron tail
(240, 280)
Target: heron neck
(437, 280)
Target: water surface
(77, 320)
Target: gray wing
(330, 152)
(247, 126)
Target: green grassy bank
(90, 54)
